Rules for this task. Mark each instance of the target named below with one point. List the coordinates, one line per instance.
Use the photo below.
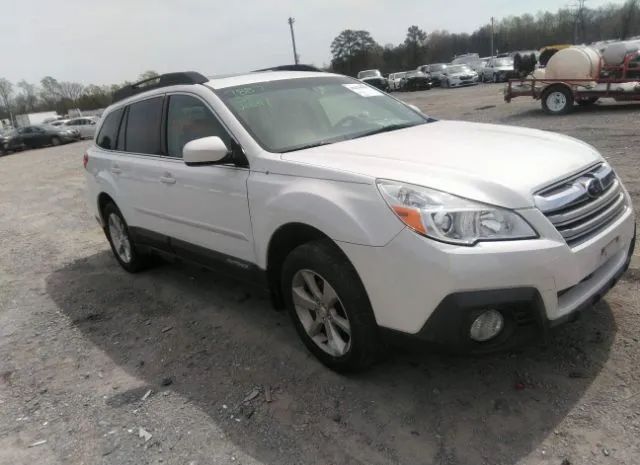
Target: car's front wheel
(330, 307)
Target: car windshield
(458, 69)
(414, 73)
(368, 74)
(504, 62)
(437, 67)
(293, 114)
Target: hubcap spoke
(340, 322)
(302, 299)
(314, 328)
(334, 340)
(310, 279)
(329, 296)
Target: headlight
(452, 219)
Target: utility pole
(293, 40)
(492, 33)
(578, 24)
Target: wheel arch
(282, 242)
(103, 200)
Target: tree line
(353, 51)
(50, 94)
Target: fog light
(487, 326)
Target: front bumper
(463, 83)
(435, 286)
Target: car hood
(501, 165)
(466, 73)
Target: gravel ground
(93, 359)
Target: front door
(206, 206)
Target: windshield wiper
(312, 145)
(391, 127)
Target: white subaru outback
(357, 212)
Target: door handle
(115, 169)
(167, 179)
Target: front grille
(583, 205)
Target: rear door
(142, 168)
(206, 206)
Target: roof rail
(290, 68)
(163, 80)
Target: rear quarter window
(109, 130)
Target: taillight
(85, 160)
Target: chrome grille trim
(583, 204)
(562, 217)
(578, 229)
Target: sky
(109, 41)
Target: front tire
(122, 246)
(330, 307)
(557, 100)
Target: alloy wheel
(119, 238)
(321, 313)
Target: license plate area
(610, 249)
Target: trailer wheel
(557, 100)
(585, 102)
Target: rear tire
(331, 310)
(122, 246)
(557, 100)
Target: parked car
(85, 126)
(358, 213)
(10, 141)
(416, 80)
(481, 66)
(395, 81)
(374, 78)
(58, 122)
(459, 76)
(435, 70)
(498, 70)
(40, 136)
(472, 60)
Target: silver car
(86, 126)
(498, 70)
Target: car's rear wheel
(330, 307)
(123, 248)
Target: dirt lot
(82, 343)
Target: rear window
(109, 130)
(143, 127)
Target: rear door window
(109, 130)
(143, 127)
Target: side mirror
(205, 151)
